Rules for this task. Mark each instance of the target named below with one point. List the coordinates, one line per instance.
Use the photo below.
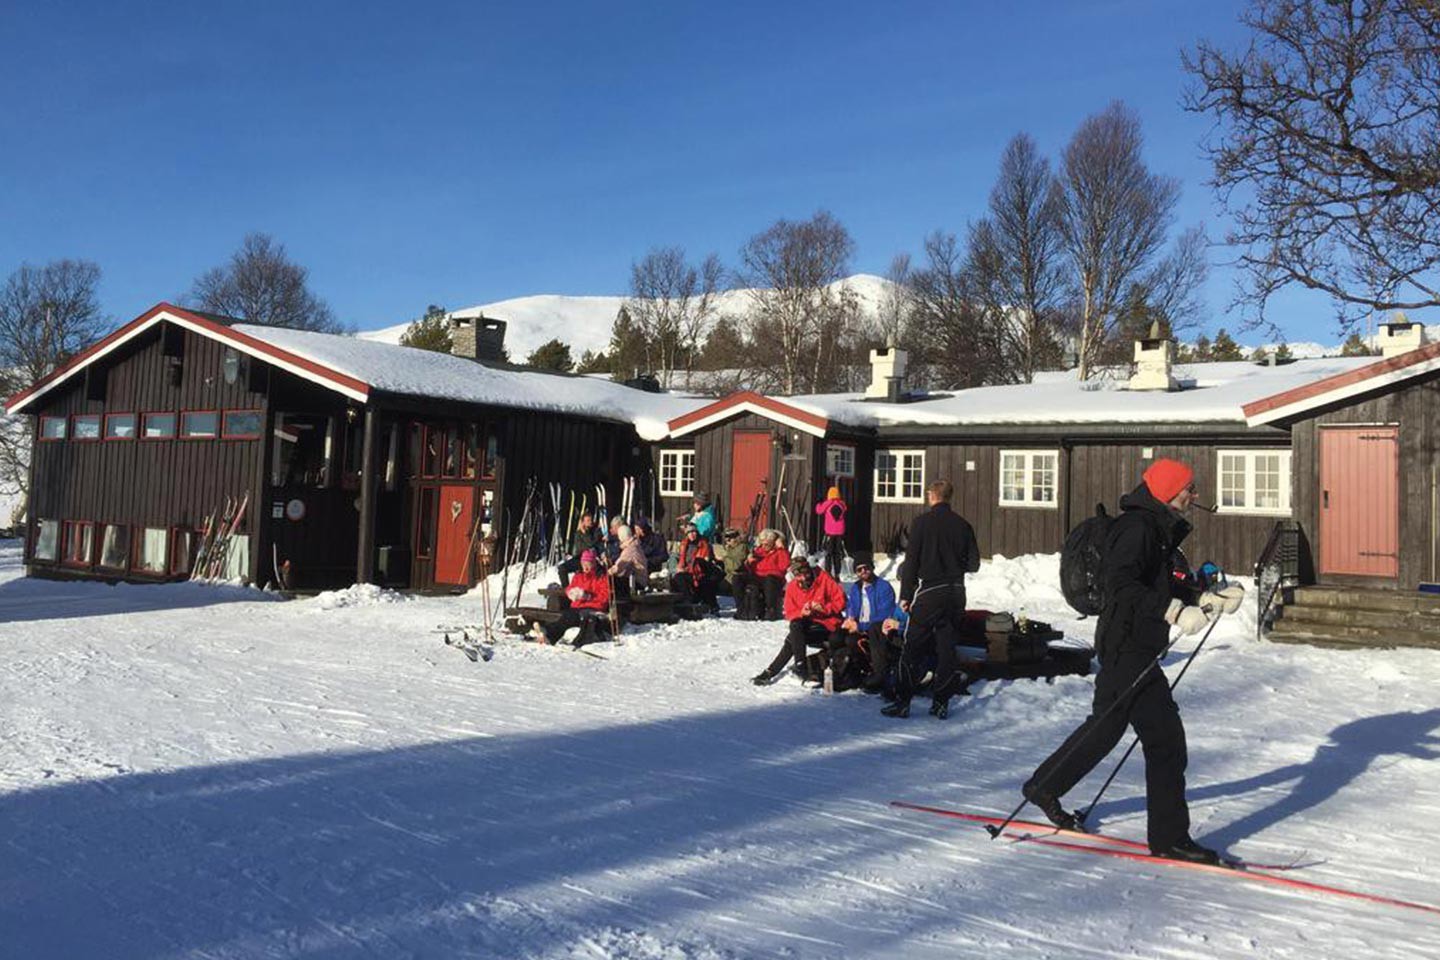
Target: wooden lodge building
(143, 437)
(356, 460)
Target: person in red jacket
(760, 585)
(814, 605)
(589, 596)
(696, 574)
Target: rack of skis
(216, 540)
(549, 517)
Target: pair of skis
(220, 529)
(1078, 841)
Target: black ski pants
(696, 589)
(936, 616)
(759, 598)
(1152, 711)
(593, 626)
(804, 633)
(877, 649)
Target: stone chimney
(1154, 357)
(477, 338)
(1398, 335)
(887, 374)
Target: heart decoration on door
(455, 508)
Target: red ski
(1026, 829)
(1129, 850)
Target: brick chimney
(477, 338)
(1398, 335)
(1154, 358)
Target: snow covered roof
(1214, 393)
(355, 368)
(1344, 384)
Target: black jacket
(941, 550)
(592, 539)
(1138, 581)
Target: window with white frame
(1028, 478)
(899, 476)
(677, 473)
(839, 460)
(1253, 481)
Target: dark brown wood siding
(1416, 409)
(149, 483)
(1089, 473)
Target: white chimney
(1154, 356)
(1398, 335)
(887, 374)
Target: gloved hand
(1188, 619)
(575, 594)
(1212, 603)
(1233, 595)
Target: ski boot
(900, 709)
(1188, 851)
(1049, 804)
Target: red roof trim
(1342, 380)
(217, 330)
(751, 397)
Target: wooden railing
(1277, 569)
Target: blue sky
(464, 153)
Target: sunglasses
(863, 566)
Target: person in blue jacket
(703, 516)
(874, 624)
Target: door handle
(1325, 499)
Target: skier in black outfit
(941, 551)
(1140, 604)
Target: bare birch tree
(47, 315)
(962, 345)
(671, 303)
(1114, 216)
(1327, 150)
(800, 315)
(1016, 261)
(263, 285)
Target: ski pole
(1082, 815)
(996, 831)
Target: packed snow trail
(193, 771)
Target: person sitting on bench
(813, 605)
(589, 606)
(760, 586)
(657, 551)
(695, 571)
(588, 536)
(873, 626)
(630, 571)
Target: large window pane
(120, 426)
(154, 550)
(158, 426)
(47, 540)
(115, 546)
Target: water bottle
(829, 685)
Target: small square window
(1028, 478)
(78, 538)
(86, 427)
(120, 426)
(158, 426)
(199, 425)
(900, 476)
(1253, 481)
(47, 541)
(677, 473)
(52, 428)
(242, 424)
(839, 461)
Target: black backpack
(1080, 563)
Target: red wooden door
(452, 538)
(1360, 501)
(749, 476)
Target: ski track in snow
(197, 771)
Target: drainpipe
(1068, 446)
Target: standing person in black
(1139, 605)
(941, 551)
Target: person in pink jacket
(832, 510)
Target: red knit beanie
(1166, 478)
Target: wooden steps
(1356, 617)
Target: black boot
(1188, 851)
(899, 709)
(764, 678)
(940, 707)
(1049, 804)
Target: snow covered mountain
(584, 322)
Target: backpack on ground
(1081, 560)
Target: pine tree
(1355, 347)
(551, 355)
(1282, 353)
(430, 332)
(1260, 354)
(629, 355)
(1225, 348)
(1202, 352)
(594, 361)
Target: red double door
(1360, 501)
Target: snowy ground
(192, 771)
